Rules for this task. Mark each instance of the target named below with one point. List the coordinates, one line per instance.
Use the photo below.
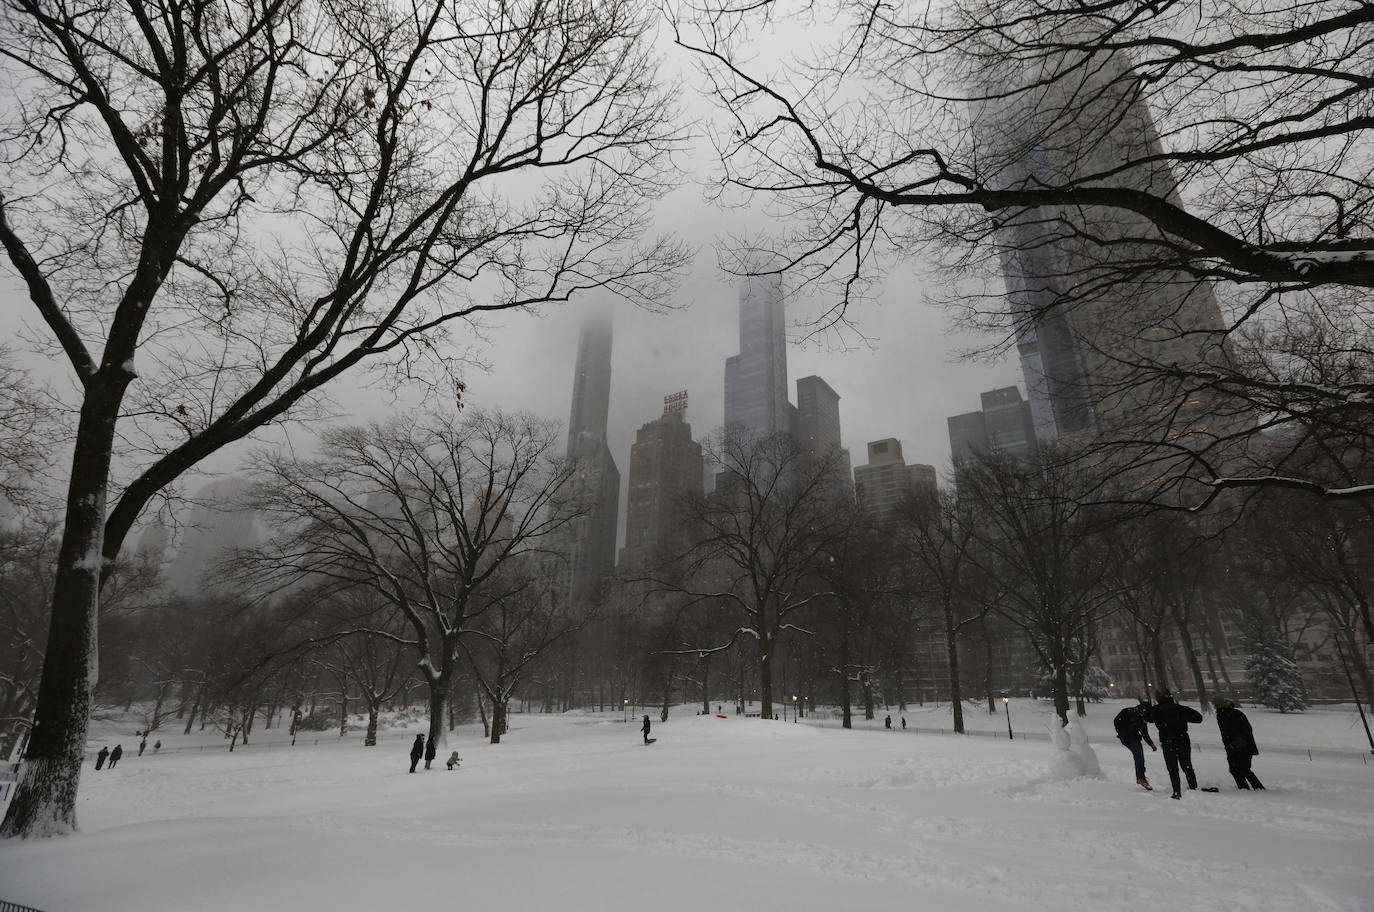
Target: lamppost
(626, 717)
(795, 709)
(1006, 704)
(1340, 650)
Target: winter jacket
(1172, 719)
(1130, 726)
(1236, 733)
(645, 727)
(430, 750)
(417, 749)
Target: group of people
(428, 752)
(887, 723)
(113, 755)
(1171, 720)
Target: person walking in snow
(1171, 721)
(430, 751)
(142, 745)
(645, 728)
(417, 750)
(1131, 731)
(453, 760)
(1239, 740)
(100, 757)
(157, 745)
(887, 723)
(903, 723)
(116, 754)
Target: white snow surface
(572, 812)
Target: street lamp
(1006, 704)
(626, 717)
(795, 709)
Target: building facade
(666, 467)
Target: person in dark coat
(645, 728)
(1171, 721)
(903, 723)
(417, 750)
(157, 745)
(142, 745)
(1133, 734)
(1239, 740)
(887, 723)
(430, 751)
(100, 757)
(116, 754)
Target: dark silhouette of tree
(1181, 195)
(255, 198)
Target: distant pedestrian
(157, 745)
(430, 751)
(903, 723)
(1130, 731)
(453, 760)
(116, 754)
(1171, 720)
(645, 728)
(417, 750)
(887, 723)
(142, 745)
(100, 757)
(1239, 740)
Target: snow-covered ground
(573, 813)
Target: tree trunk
(44, 802)
(370, 739)
(498, 718)
(956, 694)
(1186, 639)
(705, 685)
(765, 676)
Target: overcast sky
(904, 384)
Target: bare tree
(504, 641)
(938, 535)
(219, 209)
(761, 537)
(1041, 550)
(28, 432)
(1135, 183)
(428, 516)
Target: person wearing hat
(1130, 731)
(417, 750)
(1171, 721)
(1239, 740)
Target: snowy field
(573, 813)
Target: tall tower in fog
(592, 536)
(665, 467)
(1091, 302)
(219, 523)
(756, 378)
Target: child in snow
(645, 728)
(452, 762)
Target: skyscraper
(1100, 316)
(220, 522)
(882, 484)
(665, 467)
(756, 378)
(1004, 425)
(591, 536)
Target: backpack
(1127, 723)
